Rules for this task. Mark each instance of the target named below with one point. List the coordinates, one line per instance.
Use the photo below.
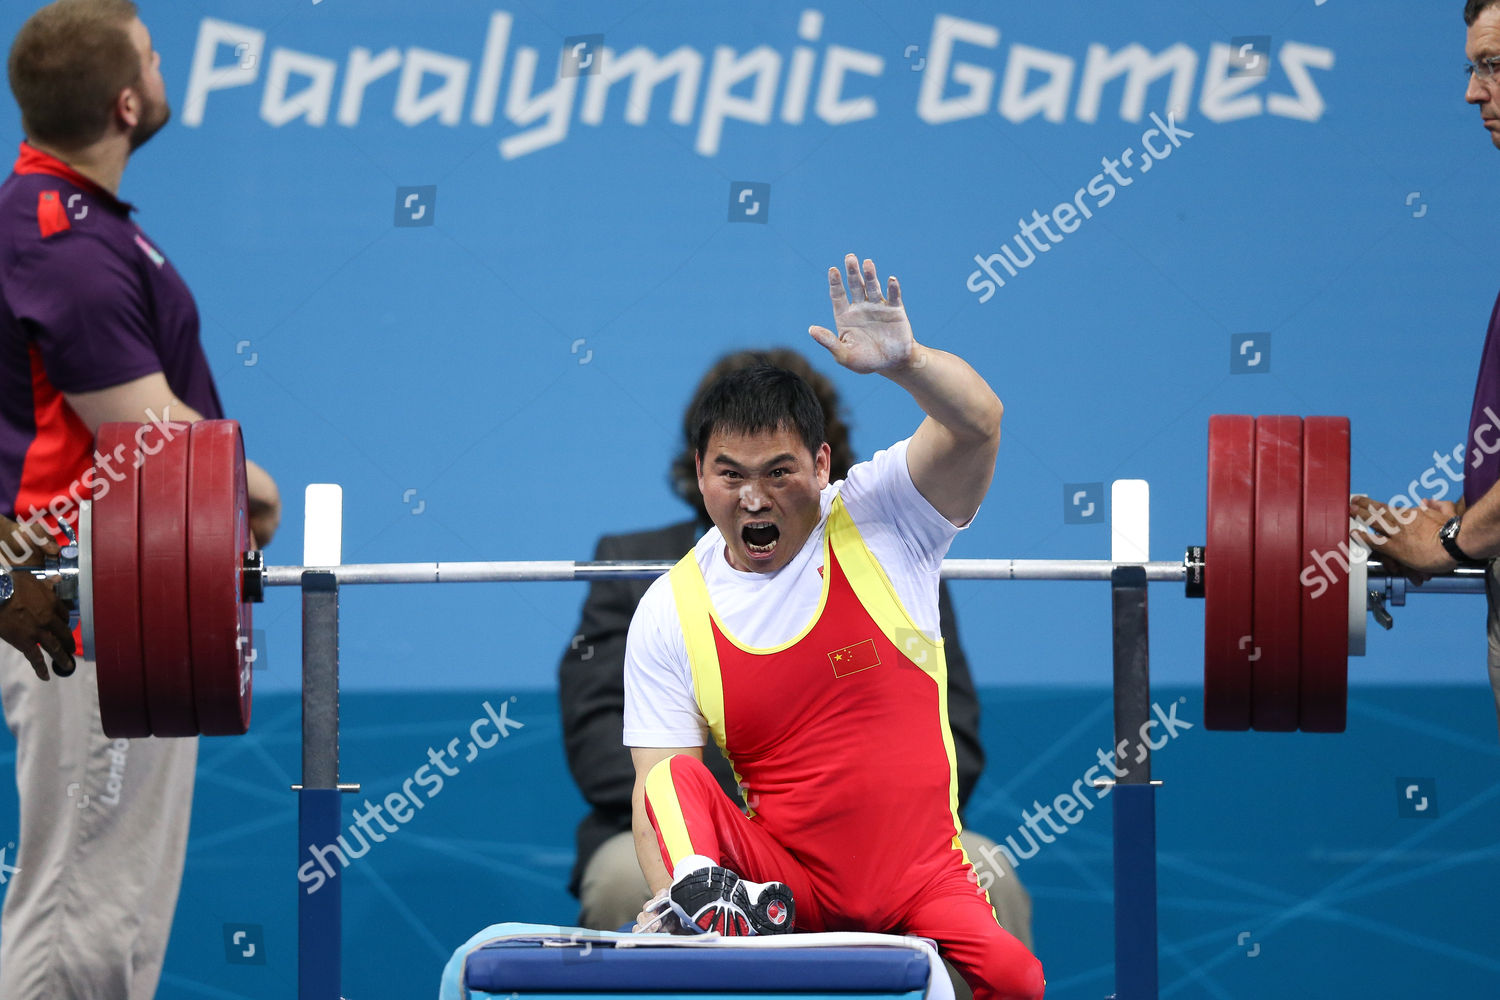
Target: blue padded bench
(509, 960)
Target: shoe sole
(773, 912)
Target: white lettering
(799, 77)
(1051, 98)
(764, 64)
(832, 107)
(1143, 69)
(363, 71)
(446, 103)
(1221, 100)
(1308, 105)
(206, 75)
(749, 85)
(932, 107)
(487, 90)
(523, 107)
(646, 71)
(312, 103)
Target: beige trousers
(1492, 596)
(102, 838)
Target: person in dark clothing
(96, 327)
(1434, 535)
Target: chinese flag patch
(852, 659)
(50, 215)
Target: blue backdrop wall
(503, 376)
(445, 258)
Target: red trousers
(936, 898)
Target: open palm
(873, 332)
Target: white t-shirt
(906, 534)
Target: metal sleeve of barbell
(1054, 569)
(494, 572)
(1463, 580)
(1465, 584)
(354, 574)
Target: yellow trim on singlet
(767, 650)
(668, 811)
(693, 611)
(878, 595)
(691, 595)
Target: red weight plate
(218, 538)
(164, 580)
(119, 663)
(1228, 576)
(1325, 575)
(1277, 619)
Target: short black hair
(761, 398)
(1473, 8)
(683, 473)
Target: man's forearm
(25, 543)
(8, 533)
(950, 392)
(261, 487)
(647, 851)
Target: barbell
(163, 575)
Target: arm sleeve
(660, 710)
(87, 312)
(882, 499)
(591, 688)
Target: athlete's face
(761, 491)
(151, 90)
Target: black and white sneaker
(716, 900)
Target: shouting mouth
(760, 538)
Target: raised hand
(873, 332)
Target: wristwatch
(1448, 535)
(7, 585)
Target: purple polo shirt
(86, 302)
(1484, 469)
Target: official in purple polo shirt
(95, 326)
(1437, 536)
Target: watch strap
(1449, 537)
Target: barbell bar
(176, 530)
(1464, 580)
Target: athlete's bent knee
(1024, 981)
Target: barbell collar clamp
(254, 576)
(1194, 565)
(1395, 590)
